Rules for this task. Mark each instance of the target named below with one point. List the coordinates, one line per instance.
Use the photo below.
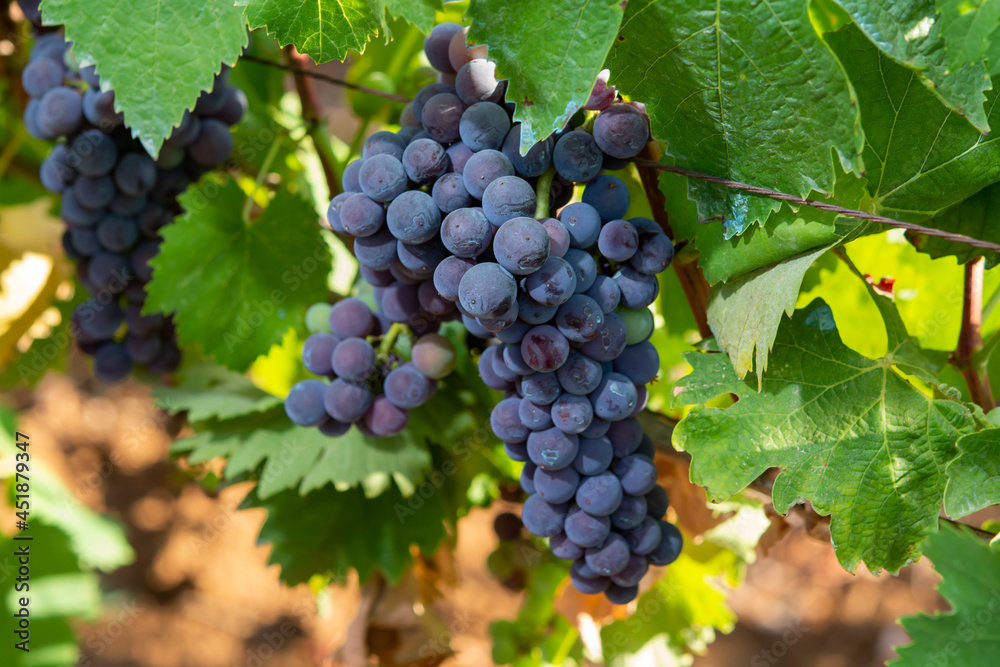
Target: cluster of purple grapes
(372, 388)
(443, 215)
(116, 198)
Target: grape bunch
(370, 387)
(446, 225)
(116, 198)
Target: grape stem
(967, 358)
(542, 190)
(390, 338)
(316, 126)
(823, 206)
(265, 168)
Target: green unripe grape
(434, 356)
(638, 324)
(318, 318)
(365, 105)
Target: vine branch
(301, 72)
(970, 338)
(645, 163)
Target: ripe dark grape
(213, 145)
(483, 168)
(93, 153)
(669, 548)
(94, 192)
(586, 530)
(521, 245)
(614, 398)
(584, 267)
(638, 289)
(426, 93)
(583, 223)
(413, 217)
(361, 216)
(351, 318)
(384, 143)
(552, 449)
(406, 387)
(421, 258)
(349, 179)
(535, 417)
(625, 436)
(111, 363)
(508, 197)
(437, 46)
(577, 156)
(382, 178)
(346, 401)
(425, 160)
(304, 403)
(378, 251)
(608, 195)
(599, 495)
(449, 193)
(487, 290)
(352, 359)
(552, 284)
(609, 558)
(630, 512)
(579, 375)
(484, 125)
(654, 254)
(42, 75)
(459, 154)
(466, 232)
(621, 131)
(556, 486)
(643, 538)
(606, 293)
(476, 82)
(535, 161)
(541, 518)
(609, 341)
(594, 457)
(562, 547)
(441, 116)
(580, 318)
(618, 241)
(60, 112)
(572, 414)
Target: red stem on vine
(970, 338)
(692, 279)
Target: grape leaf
(974, 475)
(330, 532)
(967, 635)
(971, 32)
(744, 314)
(421, 13)
(851, 434)
(712, 79)
(325, 29)
(157, 56)
(551, 53)
(920, 157)
(291, 457)
(976, 217)
(212, 392)
(236, 287)
(909, 33)
(684, 608)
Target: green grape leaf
(921, 157)
(909, 33)
(852, 435)
(551, 53)
(974, 475)
(237, 287)
(744, 314)
(330, 532)
(967, 635)
(325, 30)
(971, 32)
(212, 392)
(421, 13)
(684, 608)
(293, 457)
(976, 217)
(712, 78)
(157, 56)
